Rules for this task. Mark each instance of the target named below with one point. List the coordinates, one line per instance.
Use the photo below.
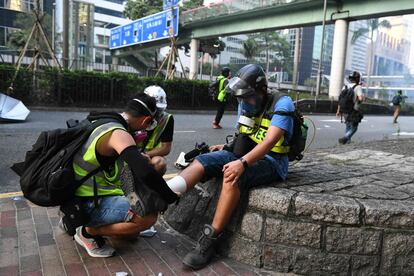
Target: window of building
(109, 12)
(116, 1)
(3, 36)
(20, 5)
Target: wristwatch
(244, 162)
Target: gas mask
(250, 107)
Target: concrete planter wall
(333, 219)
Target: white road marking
(327, 126)
(185, 131)
(337, 120)
(403, 133)
(331, 120)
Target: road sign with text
(168, 4)
(157, 26)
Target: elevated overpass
(231, 17)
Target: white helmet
(159, 94)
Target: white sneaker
(96, 247)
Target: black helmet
(356, 76)
(249, 80)
(225, 71)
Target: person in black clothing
(396, 102)
(156, 141)
(223, 80)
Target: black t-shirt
(167, 134)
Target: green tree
(273, 42)
(371, 29)
(135, 9)
(24, 22)
(250, 49)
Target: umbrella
(12, 109)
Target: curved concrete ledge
(348, 213)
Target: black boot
(204, 251)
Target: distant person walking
(349, 103)
(221, 99)
(397, 100)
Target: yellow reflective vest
(85, 161)
(258, 132)
(155, 139)
(222, 91)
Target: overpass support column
(338, 58)
(194, 58)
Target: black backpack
(396, 100)
(213, 89)
(46, 175)
(346, 100)
(297, 142)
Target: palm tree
(250, 49)
(372, 28)
(272, 41)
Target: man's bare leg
(193, 174)
(227, 203)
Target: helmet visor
(239, 88)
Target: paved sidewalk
(31, 243)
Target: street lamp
(53, 25)
(104, 49)
(318, 78)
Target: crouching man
(110, 146)
(156, 140)
(257, 157)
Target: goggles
(239, 88)
(153, 123)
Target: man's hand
(338, 114)
(216, 147)
(232, 172)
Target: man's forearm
(161, 151)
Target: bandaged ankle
(177, 184)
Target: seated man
(157, 139)
(258, 156)
(109, 146)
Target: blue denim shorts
(110, 210)
(264, 171)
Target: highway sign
(168, 4)
(157, 26)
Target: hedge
(112, 89)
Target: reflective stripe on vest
(85, 161)
(154, 140)
(222, 92)
(259, 135)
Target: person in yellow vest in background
(222, 80)
(156, 142)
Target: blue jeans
(350, 130)
(110, 210)
(264, 171)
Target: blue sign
(157, 26)
(168, 4)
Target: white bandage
(177, 184)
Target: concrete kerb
(339, 217)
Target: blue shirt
(285, 104)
